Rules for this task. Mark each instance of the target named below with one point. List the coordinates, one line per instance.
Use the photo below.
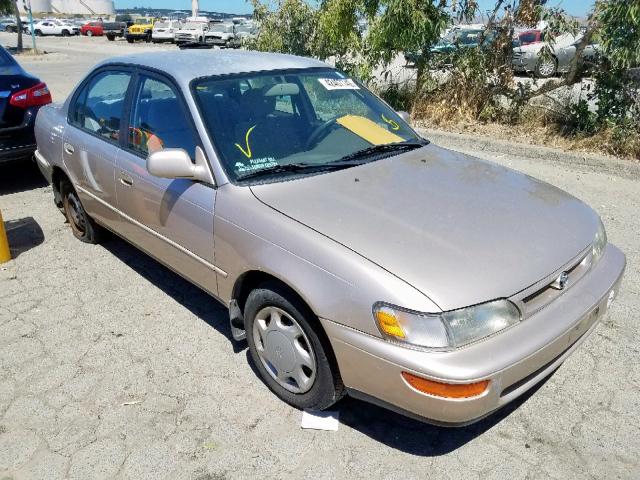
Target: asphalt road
(111, 366)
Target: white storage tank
(71, 7)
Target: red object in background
(31, 97)
(530, 36)
(94, 27)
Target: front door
(91, 142)
(172, 219)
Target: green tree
(8, 7)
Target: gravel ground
(111, 366)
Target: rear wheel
(129, 39)
(65, 33)
(89, 33)
(289, 349)
(84, 228)
(38, 33)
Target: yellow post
(5, 254)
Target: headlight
(599, 243)
(445, 330)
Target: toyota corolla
(354, 256)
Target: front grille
(538, 296)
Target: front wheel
(289, 349)
(65, 33)
(546, 67)
(89, 33)
(84, 228)
(38, 33)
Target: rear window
(6, 60)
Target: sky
(574, 7)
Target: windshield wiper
(384, 148)
(293, 168)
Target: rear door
(91, 142)
(172, 219)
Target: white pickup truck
(191, 32)
(221, 35)
(165, 30)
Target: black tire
(65, 33)
(84, 228)
(327, 387)
(111, 38)
(38, 33)
(130, 40)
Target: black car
(21, 95)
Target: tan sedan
(355, 256)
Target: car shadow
(384, 426)
(20, 176)
(23, 235)
(418, 438)
(197, 301)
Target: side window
(98, 107)
(158, 120)
(284, 104)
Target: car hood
(461, 230)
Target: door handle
(69, 148)
(126, 180)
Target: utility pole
(27, 7)
(195, 8)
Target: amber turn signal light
(447, 390)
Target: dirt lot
(111, 366)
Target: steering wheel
(316, 135)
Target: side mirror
(405, 116)
(176, 163)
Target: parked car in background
(354, 256)
(91, 29)
(21, 96)
(243, 32)
(529, 36)
(222, 35)
(546, 59)
(191, 32)
(165, 31)
(113, 30)
(141, 29)
(54, 27)
(454, 40)
(8, 25)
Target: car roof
(185, 65)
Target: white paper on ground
(320, 420)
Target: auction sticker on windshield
(338, 84)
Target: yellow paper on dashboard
(368, 130)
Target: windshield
(143, 21)
(161, 24)
(192, 26)
(220, 28)
(310, 117)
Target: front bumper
(513, 361)
(136, 36)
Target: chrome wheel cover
(284, 349)
(547, 68)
